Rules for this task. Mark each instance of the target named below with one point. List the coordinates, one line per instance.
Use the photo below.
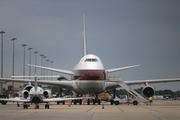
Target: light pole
(13, 39)
(51, 67)
(47, 66)
(41, 63)
(30, 61)
(24, 45)
(2, 32)
(35, 59)
(44, 65)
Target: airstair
(135, 94)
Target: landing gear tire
(99, 101)
(93, 101)
(3, 102)
(25, 106)
(96, 101)
(112, 102)
(46, 106)
(135, 102)
(80, 102)
(37, 106)
(75, 101)
(116, 102)
(63, 102)
(88, 102)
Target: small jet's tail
(35, 83)
(84, 37)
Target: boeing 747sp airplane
(90, 77)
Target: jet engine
(25, 93)
(148, 91)
(47, 93)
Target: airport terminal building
(8, 88)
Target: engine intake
(46, 93)
(148, 91)
(25, 93)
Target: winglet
(84, 37)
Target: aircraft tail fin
(84, 37)
(35, 83)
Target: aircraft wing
(121, 68)
(53, 69)
(139, 82)
(14, 100)
(16, 80)
(65, 84)
(61, 99)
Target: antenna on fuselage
(84, 37)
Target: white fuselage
(89, 76)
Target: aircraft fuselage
(89, 76)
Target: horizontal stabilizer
(53, 69)
(121, 68)
(15, 100)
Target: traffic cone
(102, 106)
(69, 104)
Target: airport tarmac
(159, 110)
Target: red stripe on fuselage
(89, 75)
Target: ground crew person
(150, 99)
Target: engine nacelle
(47, 93)
(25, 93)
(28, 87)
(148, 91)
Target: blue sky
(120, 32)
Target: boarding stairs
(135, 94)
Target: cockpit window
(91, 60)
(88, 60)
(94, 60)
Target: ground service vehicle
(1, 101)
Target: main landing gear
(94, 101)
(46, 106)
(77, 101)
(25, 106)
